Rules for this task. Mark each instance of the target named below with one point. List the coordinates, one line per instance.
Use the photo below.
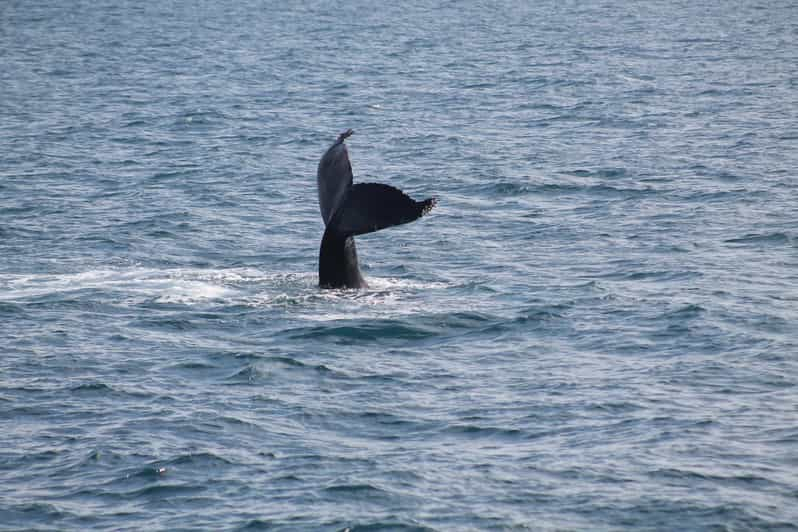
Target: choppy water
(597, 328)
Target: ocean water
(595, 329)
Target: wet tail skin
(338, 266)
(355, 210)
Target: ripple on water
(767, 239)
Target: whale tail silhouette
(350, 210)
(369, 207)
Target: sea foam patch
(174, 286)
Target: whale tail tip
(428, 205)
(345, 135)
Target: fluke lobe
(349, 210)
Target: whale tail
(355, 209)
(369, 207)
(338, 266)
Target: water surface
(597, 327)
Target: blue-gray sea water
(595, 329)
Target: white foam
(390, 283)
(178, 285)
(296, 293)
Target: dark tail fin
(369, 207)
(338, 266)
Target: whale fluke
(349, 210)
(334, 176)
(369, 207)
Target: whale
(349, 210)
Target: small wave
(151, 472)
(72, 464)
(614, 408)
(385, 419)
(33, 512)
(686, 312)
(475, 431)
(10, 309)
(91, 387)
(604, 173)
(198, 460)
(257, 524)
(192, 365)
(537, 315)
(396, 525)
(246, 375)
(368, 330)
(294, 363)
(339, 526)
(106, 391)
(657, 275)
(199, 118)
(705, 196)
(264, 368)
(364, 490)
(168, 324)
(778, 239)
(554, 189)
(692, 476)
(165, 491)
